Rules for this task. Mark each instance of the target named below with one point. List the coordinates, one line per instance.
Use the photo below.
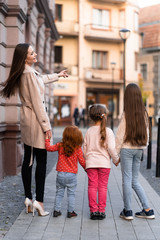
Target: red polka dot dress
(66, 164)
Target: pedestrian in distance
(131, 138)
(69, 154)
(82, 115)
(76, 116)
(99, 148)
(34, 121)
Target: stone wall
(29, 21)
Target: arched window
(44, 55)
(37, 43)
(27, 30)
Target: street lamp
(113, 64)
(124, 34)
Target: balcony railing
(67, 28)
(72, 69)
(92, 32)
(91, 74)
(103, 75)
(111, 1)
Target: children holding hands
(99, 148)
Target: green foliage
(145, 94)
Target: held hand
(63, 73)
(48, 134)
(116, 164)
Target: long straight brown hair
(10, 86)
(136, 116)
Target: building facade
(29, 21)
(149, 57)
(88, 45)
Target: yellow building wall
(66, 88)
(148, 85)
(69, 10)
(112, 49)
(77, 51)
(70, 51)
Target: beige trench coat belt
(28, 104)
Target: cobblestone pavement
(12, 193)
(150, 174)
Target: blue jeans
(130, 165)
(69, 181)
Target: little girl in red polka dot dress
(69, 153)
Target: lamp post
(124, 34)
(113, 64)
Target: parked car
(156, 118)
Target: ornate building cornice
(3, 8)
(31, 3)
(43, 7)
(8, 10)
(10, 104)
(52, 43)
(17, 12)
(47, 33)
(41, 20)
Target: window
(144, 71)
(99, 59)
(136, 21)
(122, 18)
(121, 59)
(136, 60)
(44, 54)
(141, 39)
(58, 16)
(100, 18)
(121, 65)
(58, 54)
(27, 30)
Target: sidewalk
(113, 227)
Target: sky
(146, 3)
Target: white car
(156, 118)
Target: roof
(149, 25)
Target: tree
(145, 94)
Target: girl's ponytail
(98, 112)
(103, 131)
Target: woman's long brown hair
(72, 139)
(10, 86)
(98, 112)
(135, 115)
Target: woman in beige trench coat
(34, 120)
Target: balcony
(72, 69)
(110, 1)
(67, 28)
(101, 34)
(103, 75)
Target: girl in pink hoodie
(99, 148)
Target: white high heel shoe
(37, 206)
(29, 205)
